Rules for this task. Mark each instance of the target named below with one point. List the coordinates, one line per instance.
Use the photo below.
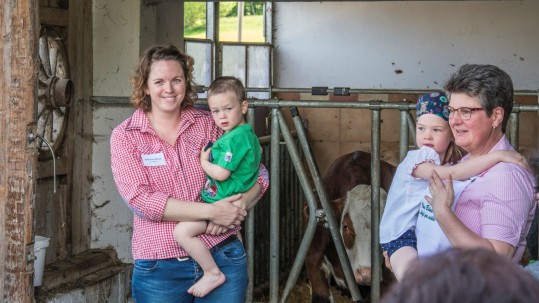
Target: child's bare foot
(207, 283)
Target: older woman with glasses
(494, 211)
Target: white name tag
(154, 160)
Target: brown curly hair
(139, 78)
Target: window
(241, 50)
(194, 20)
(238, 21)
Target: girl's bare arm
(467, 169)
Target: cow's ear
(306, 207)
(337, 206)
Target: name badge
(154, 160)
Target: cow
(350, 204)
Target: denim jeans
(167, 281)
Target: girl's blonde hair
(453, 154)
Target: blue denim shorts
(406, 239)
(167, 281)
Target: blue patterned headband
(433, 103)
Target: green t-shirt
(238, 151)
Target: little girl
(436, 151)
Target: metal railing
(290, 215)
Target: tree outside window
(238, 21)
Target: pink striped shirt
(146, 189)
(499, 204)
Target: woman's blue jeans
(167, 281)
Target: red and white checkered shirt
(146, 189)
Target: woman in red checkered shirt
(156, 166)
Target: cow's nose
(363, 275)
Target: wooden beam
(18, 157)
(79, 164)
(53, 16)
(46, 168)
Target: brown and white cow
(351, 208)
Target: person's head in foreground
(465, 276)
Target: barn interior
(353, 69)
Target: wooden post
(18, 157)
(80, 126)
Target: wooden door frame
(18, 155)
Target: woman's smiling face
(166, 85)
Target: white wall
(112, 220)
(361, 44)
(116, 26)
(116, 47)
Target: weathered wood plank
(4, 70)
(80, 52)
(45, 168)
(18, 20)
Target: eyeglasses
(464, 112)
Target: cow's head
(356, 229)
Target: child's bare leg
(401, 259)
(186, 234)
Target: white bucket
(40, 250)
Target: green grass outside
(253, 29)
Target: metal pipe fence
(289, 216)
